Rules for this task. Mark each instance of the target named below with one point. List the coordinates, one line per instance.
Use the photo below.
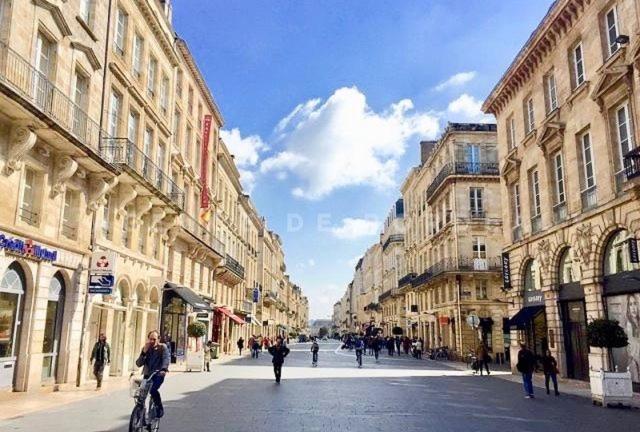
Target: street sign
(506, 271)
(101, 284)
(103, 262)
(473, 320)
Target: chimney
(426, 147)
(167, 9)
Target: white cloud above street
(355, 228)
(457, 80)
(246, 151)
(342, 142)
(466, 108)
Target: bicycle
(141, 418)
(359, 357)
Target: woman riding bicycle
(155, 357)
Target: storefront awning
(231, 315)
(189, 296)
(524, 315)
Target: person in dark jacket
(100, 357)
(278, 352)
(398, 344)
(155, 357)
(390, 346)
(526, 366)
(240, 344)
(550, 368)
(315, 348)
(482, 355)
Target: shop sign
(256, 295)
(202, 315)
(473, 321)
(103, 262)
(444, 320)
(634, 257)
(101, 284)
(533, 298)
(27, 248)
(506, 271)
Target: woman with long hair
(632, 329)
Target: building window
(565, 269)
(479, 247)
(511, 132)
(86, 11)
(536, 204)
(132, 127)
(29, 208)
(481, 290)
(142, 237)
(138, 46)
(106, 218)
(198, 149)
(121, 31)
(531, 276)
(177, 121)
(115, 105)
(187, 143)
(515, 192)
(124, 234)
(190, 100)
(179, 77)
(551, 97)
(164, 94)
(70, 213)
(588, 178)
(558, 169)
(611, 23)
(45, 65)
(578, 65)
(475, 202)
(81, 101)
(151, 77)
(623, 129)
(529, 117)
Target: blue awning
(523, 316)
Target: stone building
(567, 115)
(393, 267)
(453, 241)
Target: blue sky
(326, 101)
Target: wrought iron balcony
(234, 266)
(244, 306)
(202, 233)
(406, 279)
(632, 164)
(463, 263)
(24, 80)
(394, 238)
(461, 168)
(124, 153)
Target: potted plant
(397, 331)
(195, 358)
(610, 386)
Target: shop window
(53, 327)
(30, 203)
(565, 269)
(12, 288)
(616, 255)
(531, 276)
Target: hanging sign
(506, 271)
(103, 262)
(634, 257)
(256, 295)
(204, 163)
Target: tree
(196, 329)
(606, 334)
(323, 331)
(397, 331)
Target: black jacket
(549, 365)
(156, 359)
(101, 353)
(278, 353)
(526, 361)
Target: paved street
(397, 392)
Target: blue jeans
(554, 379)
(155, 394)
(527, 383)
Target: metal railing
(560, 212)
(536, 223)
(404, 280)
(29, 216)
(464, 263)
(234, 266)
(462, 168)
(393, 238)
(244, 306)
(35, 87)
(632, 163)
(589, 198)
(478, 214)
(121, 151)
(202, 233)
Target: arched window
(531, 276)
(565, 268)
(53, 326)
(12, 289)
(616, 254)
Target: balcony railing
(478, 214)
(560, 212)
(202, 233)
(536, 224)
(462, 168)
(244, 306)
(589, 198)
(394, 238)
(29, 216)
(404, 280)
(464, 263)
(121, 151)
(632, 164)
(234, 266)
(36, 88)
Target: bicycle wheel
(136, 422)
(154, 422)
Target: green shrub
(196, 329)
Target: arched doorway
(53, 327)
(574, 317)
(12, 291)
(120, 295)
(137, 324)
(621, 288)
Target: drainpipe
(92, 245)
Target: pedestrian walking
(207, 356)
(255, 349)
(406, 345)
(419, 349)
(550, 368)
(240, 344)
(482, 357)
(278, 352)
(390, 346)
(526, 366)
(377, 345)
(314, 351)
(398, 343)
(100, 356)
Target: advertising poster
(626, 310)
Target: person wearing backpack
(526, 366)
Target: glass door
(12, 289)
(53, 328)
(575, 339)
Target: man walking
(240, 345)
(100, 356)
(526, 365)
(155, 358)
(398, 343)
(482, 355)
(376, 344)
(314, 351)
(278, 352)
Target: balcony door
(43, 66)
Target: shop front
(621, 291)
(180, 305)
(225, 328)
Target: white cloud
(311, 262)
(247, 179)
(456, 80)
(353, 228)
(468, 108)
(341, 142)
(246, 152)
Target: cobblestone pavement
(396, 394)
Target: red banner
(204, 196)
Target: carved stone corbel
(143, 205)
(157, 214)
(126, 194)
(195, 251)
(64, 168)
(21, 140)
(170, 229)
(99, 187)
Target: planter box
(611, 387)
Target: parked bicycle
(441, 353)
(141, 417)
